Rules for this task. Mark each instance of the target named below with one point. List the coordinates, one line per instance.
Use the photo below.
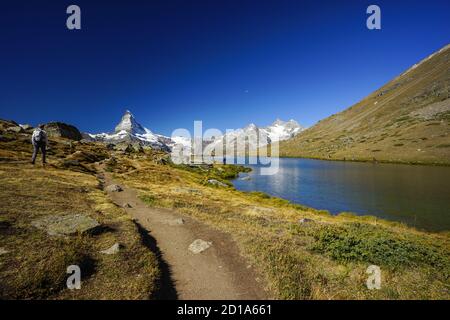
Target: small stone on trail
(199, 246)
(113, 250)
(127, 205)
(305, 220)
(175, 222)
(114, 188)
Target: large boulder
(4, 124)
(16, 129)
(63, 130)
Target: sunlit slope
(407, 120)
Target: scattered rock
(262, 209)
(187, 190)
(199, 246)
(130, 147)
(217, 183)
(115, 248)
(114, 188)
(127, 205)
(57, 225)
(3, 251)
(305, 220)
(174, 222)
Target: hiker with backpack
(39, 141)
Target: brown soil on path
(216, 273)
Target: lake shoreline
(372, 194)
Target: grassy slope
(407, 120)
(35, 266)
(324, 259)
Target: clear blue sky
(226, 62)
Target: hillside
(407, 120)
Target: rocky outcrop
(63, 130)
(4, 124)
(16, 129)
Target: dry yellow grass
(35, 264)
(287, 253)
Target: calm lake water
(416, 195)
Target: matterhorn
(129, 131)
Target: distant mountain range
(129, 131)
(406, 120)
(252, 136)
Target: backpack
(40, 136)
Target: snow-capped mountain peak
(130, 131)
(129, 124)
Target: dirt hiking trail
(218, 272)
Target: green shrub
(376, 245)
(149, 199)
